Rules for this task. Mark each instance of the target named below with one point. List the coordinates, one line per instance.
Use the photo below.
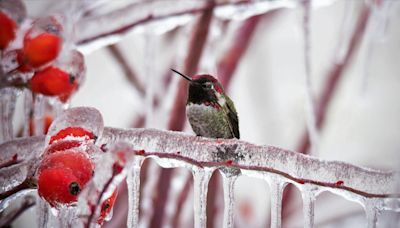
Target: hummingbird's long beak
(184, 76)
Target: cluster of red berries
(66, 169)
(38, 55)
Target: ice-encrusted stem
(201, 177)
(116, 23)
(133, 183)
(39, 107)
(276, 187)
(229, 199)
(8, 98)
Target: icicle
(371, 208)
(38, 114)
(308, 207)
(310, 103)
(42, 211)
(228, 184)
(276, 186)
(7, 106)
(201, 178)
(133, 182)
(28, 107)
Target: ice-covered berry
(76, 161)
(107, 206)
(52, 81)
(74, 132)
(41, 49)
(58, 186)
(62, 145)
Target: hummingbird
(210, 111)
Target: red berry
(77, 162)
(62, 145)
(7, 30)
(52, 81)
(58, 186)
(106, 207)
(74, 132)
(41, 49)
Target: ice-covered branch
(176, 149)
(109, 27)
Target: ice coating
(244, 11)
(13, 205)
(39, 108)
(8, 98)
(84, 117)
(375, 190)
(293, 166)
(105, 28)
(73, 62)
(110, 24)
(18, 158)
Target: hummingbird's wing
(232, 117)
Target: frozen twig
(21, 204)
(175, 149)
(121, 21)
(293, 166)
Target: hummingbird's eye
(207, 85)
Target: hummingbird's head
(203, 88)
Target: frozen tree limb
(297, 168)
